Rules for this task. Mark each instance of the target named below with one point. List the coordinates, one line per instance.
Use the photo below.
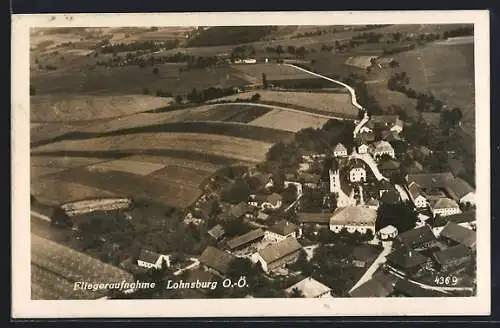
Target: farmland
(272, 71)
(55, 268)
(289, 121)
(125, 165)
(326, 103)
(231, 147)
(81, 108)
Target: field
(359, 61)
(125, 165)
(80, 108)
(54, 269)
(272, 71)
(326, 103)
(231, 147)
(289, 121)
(43, 165)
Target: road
(368, 159)
(373, 268)
(195, 263)
(402, 192)
(40, 216)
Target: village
(430, 253)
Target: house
(388, 233)
(416, 239)
(465, 219)
(273, 201)
(460, 191)
(408, 263)
(419, 153)
(245, 240)
(365, 136)
(217, 260)
(453, 234)
(340, 150)
(261, 216)
(310, 288)
(380, 148)
(278, 255)
(354, 218)
(390, 197)
(357, 173)
(444, 206)
(390, 123)
(217, 232)
(310, 180)
(453, 258)
(430, 181)
(282, 230)
(363, 148)
(417, 195)
(149, 259)
(380, 285)
(388, 167)
(406, 288)
(238, 211)
(314, 221)
(414, 167)
(373, 203)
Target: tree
(238, 192)
(264, 81)
(145, 91)
(289, 194)
(279, 50)
(296, 292)
(60, 218)
(178, 99)
(255, 97)
(242, 267)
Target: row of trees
(300, 52)
(139, 45)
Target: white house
(282, 230)
(388, 232)
(149, 259)
(461, 191)
(445, 206)
(417, 195)
(357, 173)
(278, 255)
(381, 148)
(354, 218)
(310, 288)
(363, 148)
(339, 150)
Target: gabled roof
(386, 120)
(216, 259)
(378, 286)
(452, 253)
(239, 210)
(274, 198)
(310, 177)
(366, 136)
(339, 148)
(354, 215)
(443, 203)
(382, 145)
(459, 234)
(389, 165)
(356, 164)
(279, 250)
(310, 288)
(390, 197)
(406, 260)
(414, 190)
(217, 231)
(458, 188)
(388, 229)
(148, 256)
(373, 202)
(283, 228)
(413, 237)
(317, 218)
(412, 290)
(246, 238)
(465, 217)
(414, 167)
(429, 181)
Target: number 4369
(446, 280)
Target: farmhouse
(387, 122)
(453, 234)
(238, 211)
(217, 260)
(381, 285)
(278, 255)
(149, 259)
(461, 191)
(273, 201)
(389, 167)
(390, 197)
(217, 232)
(453, 258)
(408, 262)
(245, 240)
(388, 233)
(380, 148)
(417, 195)
(310, 288)
(430, 181)
(354, 218)
(357, 172)
(340, 150)
(365, 136)
(282, 230)
(416, 239)
(444, 206)
(315, 221)
(466, 219)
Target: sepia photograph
(324, 163)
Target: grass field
(125, 165)
(272, 71)
(230, 147)
(46, 165)
(80, 108)
(55, 268)
(289, 121)
(328, 103)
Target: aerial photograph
(283, 161)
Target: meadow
(289, 121)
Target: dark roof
(458, 188)
(412, 290)
(366, 136)
(205, 207)
(240, 210)
(283, 228)
(279, 250)
(431, 180)
(334, 164)
(200, 274)
(414, 167)
(148, 256)
(390, 197)
(459, 234)
(406, 260)
(244, 239)
(310, 177)
(452, 253)
(217, 231)
(388, 120)
(378, 286)
(414, 190)
(389, 165)
(318, 218)
(274, 198)
(216, 259)
(356, 163)
(468, 216)
(416, 236)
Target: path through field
(40, 216)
